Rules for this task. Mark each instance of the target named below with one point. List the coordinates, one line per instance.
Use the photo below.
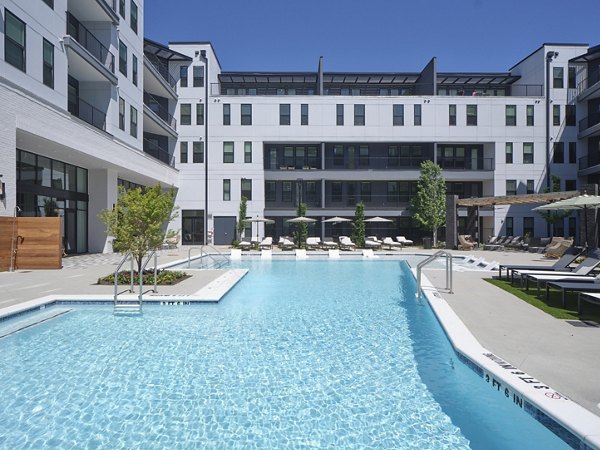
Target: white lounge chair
(286, 244)
(404, 241)
(266, 243)
(346, 243)
(372, 242)
(313, 243)
(391, 243)
(329, 244)
(245, 244)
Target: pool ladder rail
(438, 254)
(133, 306)
(218, 259)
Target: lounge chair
(404, 241)
(557, 250)
(266, 243)
(329, 244)
(564, 286)
(592, 259)
(286, 244)
(590, 297)
(172, 241)
(562, 264)
(496, 244)
(391, 243)
(245, 244)
(346, 243)
(372, 242)
(463, 244)
(313, 243)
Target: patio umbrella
(301, 219)
(336, 219)
(258, 220)
(378, 219)
(582, 202)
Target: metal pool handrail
(431, 258)
(141, 275)
(225, 258)
(129, 256)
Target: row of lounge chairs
(555, 248)
(313, 243)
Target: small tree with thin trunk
(300, 228)
(139, 219)
(241, 225)
(428, 206)
(358, 227)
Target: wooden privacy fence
(37, 242)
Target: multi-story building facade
(333, 139)
(83, 110)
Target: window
(198, 152)
(226, 189)
(472, 115)
(14, 40)
(398, 115)
(134, 69)
(198, 80)
(121, 114)
(338, 155)
(509, 223)
(303, 114)
(247, 152)
(570, 185)
(511, 187)
(48, 70)
(226, 114)
(570, 114)
(199, 114)
(572, 78)
(528, 227)
(530, 186)
(183, 152)
(365, 191)
(363, 155)
(392, 192)
(246, 112)
(417, 115)
(336, 191)
(183, 76)
(556, 115)
(133, 121)
(286, 191)
(122, 58)
(228, 152)
(247, 188)
(339, 115)
(122, 8)
(284, 114)
(509, 152)
(359, 115)
(557, 78)
(559, 153)
(530, 113)
(185, 114)
(452, 115)
(270, 191)
(572, 152)
(511, 115)
(393, 154)
(528, 153)
(133, 17)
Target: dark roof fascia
(592, 54)
(180, 57)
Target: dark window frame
(418, 115)
(558, 153)
(122, 113)
(122, 58)
(398, 115)
(48, 66)
(246, 188)
(558, 77)
(183, 152)
(452, 115)
(10, 41)
(530, 115)
(134, 69)
(226, 189)
(285, 118)
(226, 114)
(528, 158)
(198, 76)
(359, 117)
(228, 152)
(510, 115)
(198, 152)
(246, 114)
(133, 121)
(339, 115)
(247, 154)
(472, 115)
(185, 117)
(133, 16)
(199, 113)
(507, 153)
(304, 114)
(183, 76)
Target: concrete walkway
(562, 354)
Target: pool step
(127, 309)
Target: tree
(241, 225)
(138, 220)
(301, 228)
(428, 206)
(358, 226)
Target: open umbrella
(301, 219)
(336, 219)
(582, 202)
(377, 219)
(258, 220)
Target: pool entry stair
(438, 254)
(133, 306)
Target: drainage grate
(583, 323)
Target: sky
(372, 35)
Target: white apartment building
(332, 139)
(83, 110)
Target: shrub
(164, 277)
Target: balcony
(88, 113)
(480, 164)
(589, 87)
(156, 151)
(156, 105)
(158, 81)
(94, 10)
(162, 69)
(344, 162)
(589, 125)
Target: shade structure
(583, 202)
(258, 220)
(301, 219)
(336, 219)
(377, 219)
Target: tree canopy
(358, 226)
(428, 206)
(241, 225)
(301, 228)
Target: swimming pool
(298, 355)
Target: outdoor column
(451, 219)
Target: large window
(365, 191)
(48, 58)
(511, 115)
(472, 115)
(284, 114)
(303, 114)
(122, 8)
(121, 114)
(556, 115)
(247, 152)
(398, 115)
(509, 152)
(14, 40)
(183, 76)
(133, 121)
(570, 115)
(134, 69)
(339, 115)
(530, 186)
(530, 115)
(572, 152)
(270, 191)
(228, 152)
(198, 152)
(336, 191)
(558, 156)
(122, 58)
(226, 189)
(558, 76)
(286, 191)
(363, 155)
(572, 78)
(133, 17)
(527, 152)
(417, 115)
(198, 80)
(199, 114)
(359, 115)
(511, 187)
(452, 115)
(246, 190)
(183, 152)
(528, 226)
(246, 113)
(226, 114)
(185, 114)
(509, 224)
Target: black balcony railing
(155, 105)
(583, 162)
(592, 78)
(88, 113)
(162, 69)
(344, 162)
(156, 151)
(484, 164)
(589, 121)
(82, 35)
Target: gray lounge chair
(562, 264)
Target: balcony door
(73, 100)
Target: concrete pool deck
(562, 354)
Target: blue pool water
(310, 354)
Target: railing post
(155, 272)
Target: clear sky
(373, 35)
